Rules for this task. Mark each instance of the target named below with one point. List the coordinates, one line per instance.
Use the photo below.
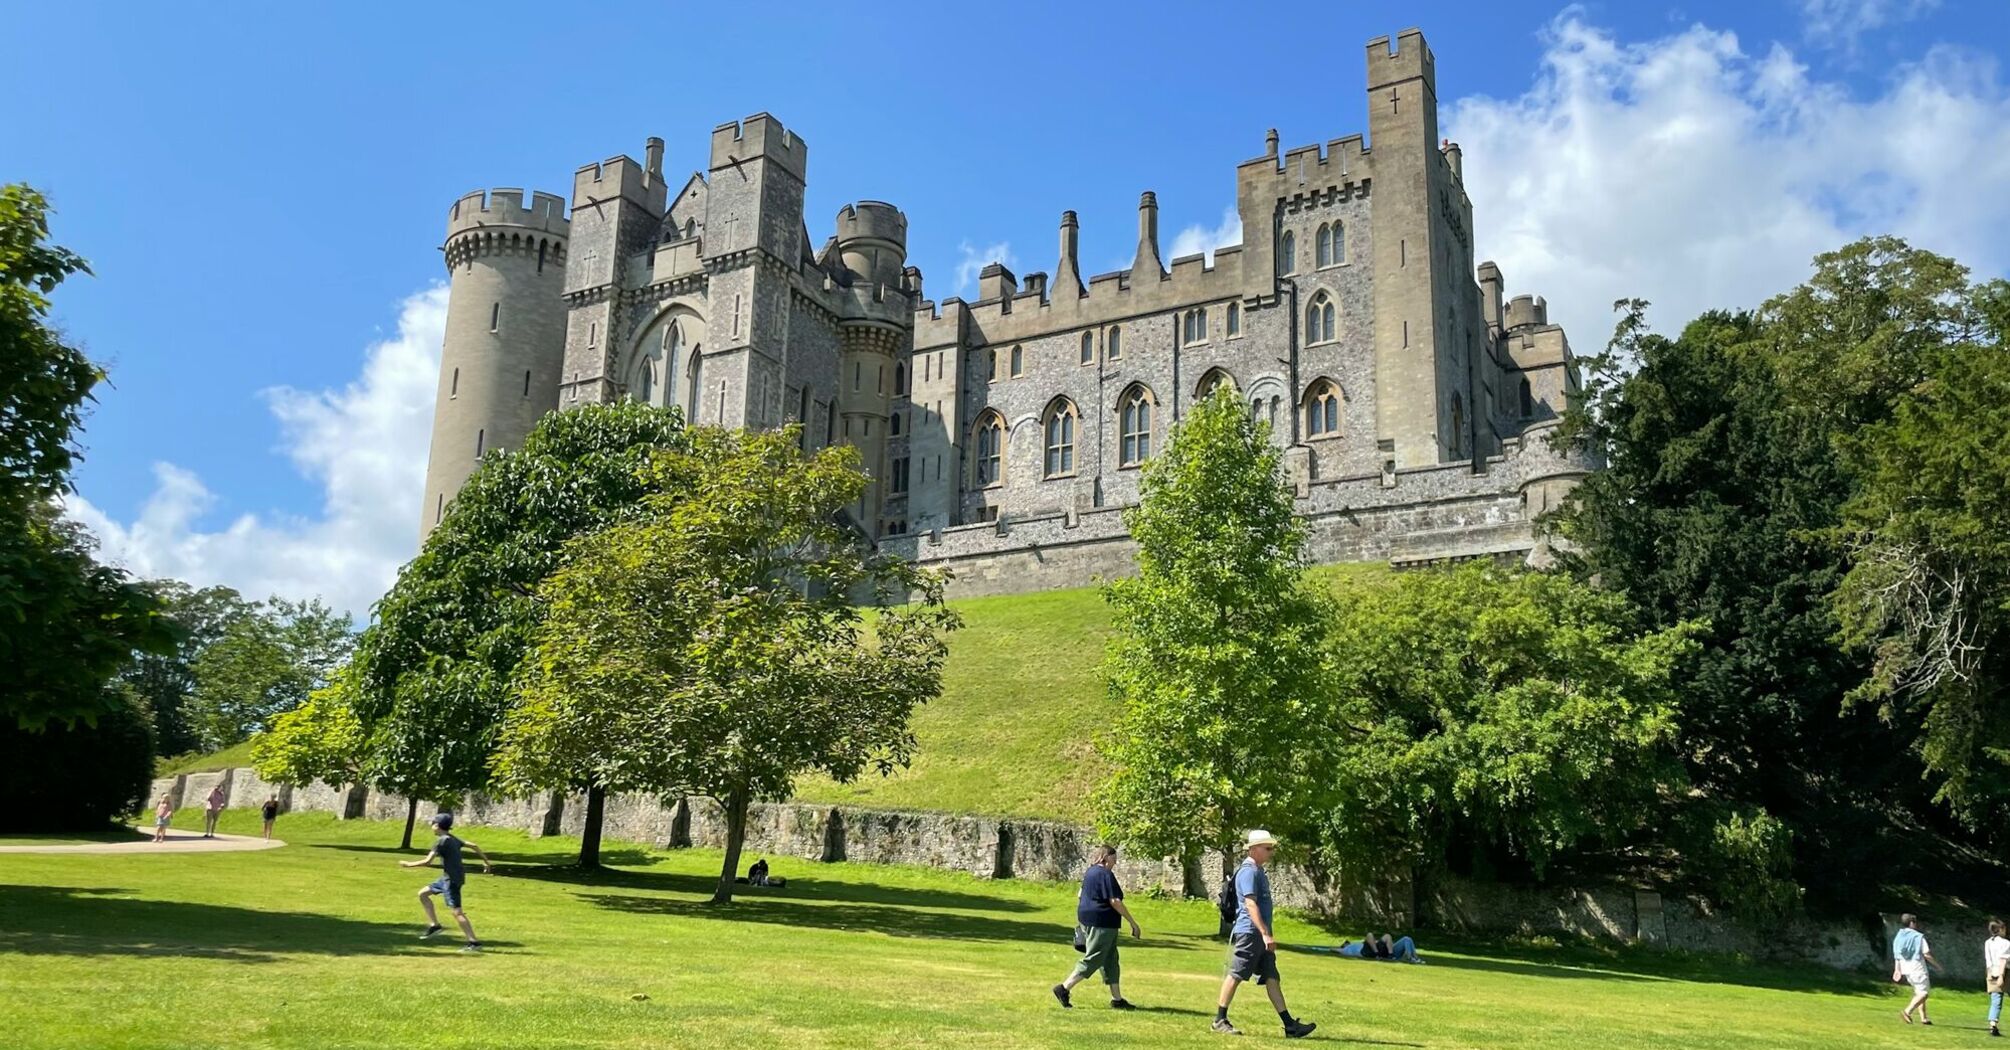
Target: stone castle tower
(1004, 435)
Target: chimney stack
(1068, 275)
(652, 161)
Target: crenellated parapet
(497, 222)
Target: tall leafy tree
(434, 674)
(713, 645)
(1218, 658)
(163, 682)
(265, 661)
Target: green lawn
(314, 946)
(69, 838)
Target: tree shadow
(798, 889)
(558, 861)
(86, 921)
(894, 921)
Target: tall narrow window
(454, 385)
(897, 482)
(1527, 401)
(1234, 324)
(480, 436)
(1060, 431)
(1088, 347)
(894, 422)
(439, 508)
(1339, 243)
(1287, 253)
(645, 384)
(1134, 416)
(899, 380)
(1018, 362)
(526, 383)
(857, 372)
(592, 335)
(1322, 251)
(1320, 320)
(990, 445)
(495, 317)
(1113, 343)
(991, 366)
(1322, 410)
(1458, 425)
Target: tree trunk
(736, 835)
(589, 834)
(411, 817)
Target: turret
(505, 338)
(872, 239)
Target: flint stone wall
(195, 787)
(249, 791)
(169, 786)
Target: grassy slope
(313, 946)
(231, 757)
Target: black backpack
(1227, 902)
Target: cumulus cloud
(364, 444)
(1206, 239)
(1689, 172)
(974, 259)
(1842, 23)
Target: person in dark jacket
(1099, 916)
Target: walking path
(177, 842)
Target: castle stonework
(1004, 435)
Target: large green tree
(434, 675)
(1217, 658)
(714, 645)
(265, 660)
(164, 681)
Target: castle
(1003, 436)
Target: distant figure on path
(163, 812)
(212, 808)
(1100, 912)
(448, 885)
(1995, 956)
(1910, 957)
(271, 813)
(1252, 951)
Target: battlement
(760, 135)
(871, 220)
(614, 178)
(1527, 310)
(1340, 160)
(1408, 59)
(505, 207)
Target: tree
(266, 661)
(1218, 660)
(165, 681)
(321, 739)
(77, 776)
(433, 675)
(711, 645)
(67, 622)
(1494, 714)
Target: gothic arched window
(1458, 425)
(1323, 247)
(1088, 347)
(1287, 253)
(1214, 380)
(1322, 409)
(645, 384)
(989, 443)
(1059, 427)
(1018, 362)
(1321, 319)
(1339, 243)
(1134, 416)
(1234, 326)
(1527, 401)
(1113, 343)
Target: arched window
(1234, 325)
(1458, 425)
(990, 365)
(899, 380)
(1320, 320)
(989, 442)
(1113, 343)
(645, 384)
(1214, 380)
(1527, 401)
(1134, 415)
(1323, 247)
(1018, 362)
(1088, 347)
(894, 422)
(1287, 253)
(1060, 430)
(1322, 409)
(454, 384)
(1339, 243)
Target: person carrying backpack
(1252, 941)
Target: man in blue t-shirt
(1252, 942)
(1099, 914)
(452, 875)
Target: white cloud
(1688, 172)
(1842, 23)
(1207, 239)
(364, 444)
(975, 259)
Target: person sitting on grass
(448, 885)
(757, 873)
(1382, 949)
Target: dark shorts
(1249, 960)
(449, 891)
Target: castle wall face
(1005, 435)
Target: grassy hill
(1013, 733)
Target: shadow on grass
(80, 920)
(847, 917)
(798, 889)
(558, 861)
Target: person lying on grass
(1382, 949)
(448, 885)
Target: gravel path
(178, 841)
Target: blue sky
(261, 190)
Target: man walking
(1252, 942)
(1098, 912)
(448, 885)
(212, 808)
(1910, 957)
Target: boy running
(448, 885)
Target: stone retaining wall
(1029, 849)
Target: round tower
(505, 343)
(872, 240)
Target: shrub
(82, 776)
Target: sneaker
(1061, 993)
(1121, 1004)
(1299, 1029)
(1222, 1027)
(475, 946)
(430, 931)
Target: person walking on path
(212, 808)
(1100, 912)
(448, 885)
(163, 812)
(271, 813)
(1995, 956)
(1252, 941)
(1910, 956)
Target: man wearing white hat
(1252, 946)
